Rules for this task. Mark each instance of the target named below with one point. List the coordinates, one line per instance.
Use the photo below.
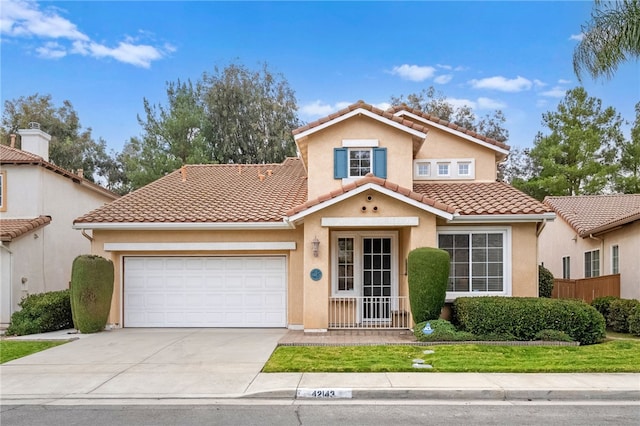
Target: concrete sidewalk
(137, 365)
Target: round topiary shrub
(428, 275)
(545, 282)
(91, 292)
(619, 312)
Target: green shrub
(602, 305)
(545, 282)
(428, 275)
(41, 313)
(553, 336)
(91, 291)
(634, 321)
(619, 311)
(524, 317)
(443, 331)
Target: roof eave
(504, 218)
(182, 226)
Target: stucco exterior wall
(320, 152)
(442, 145)
(294, 257)
(559, 240)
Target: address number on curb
(324, 393)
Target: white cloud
(414, 72)
(457, 102)
(25, 19)
(444, 67)
(556, 92)
(488, 103)
(562, 81)
(502, 84)
(576, 37)
(51, 50)
(539, 83)
(540, 103)
(383, 105)
(320, 109)
(443, 79)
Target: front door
(376, 278)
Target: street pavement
(134, 366)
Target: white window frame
(453, 166)
(591, 269)
(357, 261)
(506, 258)
(566, 267)
(615, 259)
(3, 191)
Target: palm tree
(611, 37)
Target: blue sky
(105, 57)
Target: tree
(628, 180)
(578, 155)
(517, 168)
(611, 37)
(435, 103)
(231, 116)
(71, 147)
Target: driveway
(143, 363)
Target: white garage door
(205, 291)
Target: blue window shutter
(380, 162)
(340, 166)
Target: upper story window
(359, 162)
(357, 157)
(592, 263)
(3, 191)
(440, 169)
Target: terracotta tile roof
(13, 228)
(592, 214)
(361, 104)
(448, 124)
(484, 198)
(211, 193)
(378, 181)
(10, 155)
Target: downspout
(541, 227)
(10, 277)
(87, 236)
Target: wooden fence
(586, 289)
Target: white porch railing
(369, 312)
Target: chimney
(80, 173)
(35, 140)
(13, 140)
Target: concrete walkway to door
(143, 363)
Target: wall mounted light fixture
(315, 246)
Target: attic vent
(33, 125)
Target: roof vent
(34, 125)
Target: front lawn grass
(611, 357)
(14, 349)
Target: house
(320, 241)
(38, 203)
(595, 235)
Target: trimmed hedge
(428, 275)
(619, 312)
(634, 321)
(443, 331)
(602, 304)
(525, 317)
(545, 282)
(41, 313)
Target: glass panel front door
(376, 279)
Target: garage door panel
(205, 292)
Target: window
(443, 169)
(423, 169)
(566, 267)
(478, 261)
(592, 264)
(3, 191)
(345, 264)
(464, 169)
(359, 162)
(615, 259)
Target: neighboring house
(38, 202)
(320, 241)
(595, 235)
